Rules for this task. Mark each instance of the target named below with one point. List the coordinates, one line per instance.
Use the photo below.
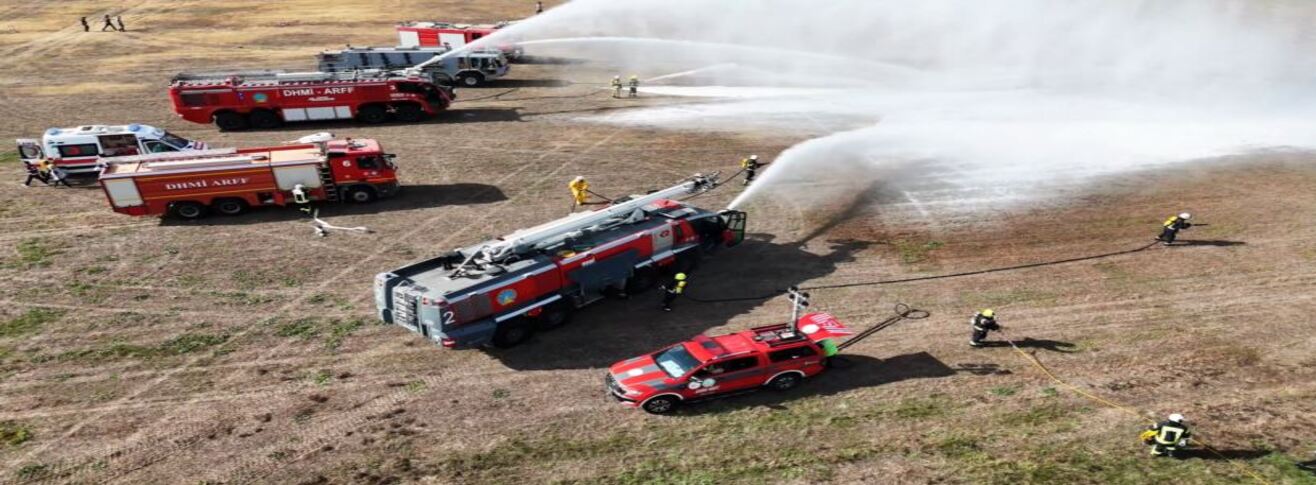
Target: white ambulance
(78, 150)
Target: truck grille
(404, 308)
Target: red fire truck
(229, 181)
(267, 99)
(435, 34)
(499, 292)
(777, 357)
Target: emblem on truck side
(506, 297)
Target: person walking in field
(109, 24)
(539, 8)
(59, 176)
(672, 290)
(983, 322)
(86, 27)
(119, 19)
(34, 173)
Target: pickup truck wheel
(265, 119)
(409, 113)
(661, 405)
(554, 316)
(230, 121)
(361, 195)
(189, 210)
(230, 207)
(372, 113)
(512, 333)
(471, 80)
(784, 382)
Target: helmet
(680, 277)
(634, 76)
(988, 313)
(578, 178)
(1176, 417)
(753, 157)
(1185, 216)
(617, 76)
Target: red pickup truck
(778, 357)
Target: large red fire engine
(435, 34)
(501, 291)
(229, 181)
(267, 99)
(777, 357)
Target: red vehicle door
(728, 375)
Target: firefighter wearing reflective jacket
(982, 322)
(1172, 227)
(672, 290)
(751, 166)
(579, 190)
(1167, 437)
(616, 86)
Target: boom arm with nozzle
(552, 233)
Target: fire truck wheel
(408, 112)
(512, 333)
(361, 195)
(784, 382)
(229, 207)
(553, 317)
(189, 210)
(471, 80)
(372, 113)
(661, 404)
(265, 119)
(643, 280)
(230, 121)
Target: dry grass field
(241, 350)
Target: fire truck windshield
(676, 361)
(175, 140)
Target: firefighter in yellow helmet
(635, 85)
(616, 86)
(579, 190)
(1168, 437)
(983, 322)
(1172, 226)
(751, 167)
(672, 290)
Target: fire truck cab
(776, 357)
(78, 150)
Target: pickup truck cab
(777, 357)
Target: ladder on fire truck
(552, 233)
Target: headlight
(633, 392)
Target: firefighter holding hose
(751, 167)
(672, 290)
(635, 85)
(579, 190)
(1167, 437)
(1172, 226)
(983, 322)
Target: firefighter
(109, 24)
(672, 290)
(86, 27)
(1172, 227)
(579, 190)
(635, 85)
(539, 8)
(34, 173)
(1167, 437)
(59, 176)
(616, 86)
(119, 20)
(751, 166)
(983, 322)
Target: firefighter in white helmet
(672, 290)
(1172, 226)
(1167, 437)
(982, 322)
(751, 167)
(616, 86)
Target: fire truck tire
(512, 333)
(470, 80)
(372, 113)
(230, 121)
(361, 194)
(785, 382)
(643, 280)
(189, 210)
(229, 207)
(553, 317)
(661, 404)
(264, 119)
(408, 112)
